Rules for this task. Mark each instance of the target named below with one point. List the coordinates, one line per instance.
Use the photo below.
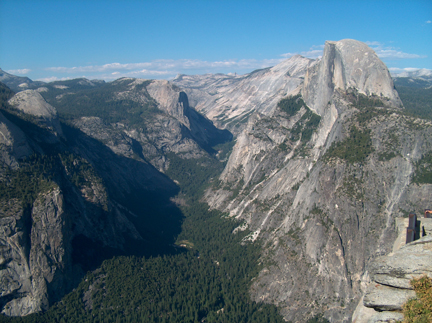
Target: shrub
(419, 309)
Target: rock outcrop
(18, 83)
(387, 284)
(321, 184)
(13, 144)
(230, 100)
(86, 199)
(347, 64)
(36, 265)
(32, 103)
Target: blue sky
(49, 40)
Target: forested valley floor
(207, 280)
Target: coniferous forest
(206, 279)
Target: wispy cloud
(164, 67)
(22, 71)
(315, 51)
(169, 68)
(429, 22)
(410, 70)
(388, 52)
(53, 78)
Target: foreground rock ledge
(389, 287)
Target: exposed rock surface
(96, 202)
(13, 144)
(389, 287)
(32, 103)
(347, 64)
(169, 126)
(18, 83)
(36, 264)
(229, 100)
(323, 214)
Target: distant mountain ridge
(422, 73)
(325, 158)
(18, 83)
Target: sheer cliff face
(347, 64)
(322, 193)
(229, 100)
(94, 189)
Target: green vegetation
(101, 101)
(5, 94)
(24, 184)
(224, 150)
(306, 126)
(416, 96)
(206, 281)
(41, 173)
(361, 101)
(318, 319)
(391, 147)
(353, 149)
(419, 309)
(193, 174)
(291, 105)
(423, 169)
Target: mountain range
(313, 159)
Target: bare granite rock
(36, 264)
(389, 287)
(32, 103)
(13, 143)
(347, 64)
(230, 100)
(324, 220)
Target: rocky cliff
(77, 192)
(388, 287)
(229, 100)
(320, 178)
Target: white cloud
(388, 52)
(53, 78)
(410, 72)
(165, 67)
(429, 22)
(169, 68)
(22, 71)
(315, 51)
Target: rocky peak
(169, 99)
(230, 100)
(347, 64)
(32, 103)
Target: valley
(263, 197)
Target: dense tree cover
(33, 177)
(417, 101)
(361, 101)
(5, 94)
(101, 101)
(194, 175)
(206, 280)
(354, 149)
(291, 105)
(423, 169)
(306, 126)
